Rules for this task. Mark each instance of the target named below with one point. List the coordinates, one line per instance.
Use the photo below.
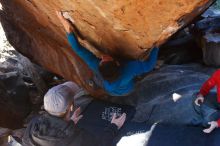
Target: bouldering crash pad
(167, 94)
(167, 135)
(132, 133)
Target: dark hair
(109, 70)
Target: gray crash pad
(166, 95)
(142, 134)
(132, 133)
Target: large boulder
(180, 49)
(123, 29)
(208, 37)
(14, 100)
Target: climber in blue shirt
(117, 79)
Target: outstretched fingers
(114, 116)
(77, 112)
(122, 117)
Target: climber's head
(109, 68)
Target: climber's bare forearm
(67, 25)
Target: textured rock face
(124, 29)
(15, 105)
(208, 37)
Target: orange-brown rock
(124, 29)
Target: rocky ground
(20, 93)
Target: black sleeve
(108, 136)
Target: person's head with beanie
(59, 99)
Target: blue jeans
(207, 111)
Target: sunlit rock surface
(124, 29)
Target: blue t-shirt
(128, 71)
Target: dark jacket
(47, 130)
